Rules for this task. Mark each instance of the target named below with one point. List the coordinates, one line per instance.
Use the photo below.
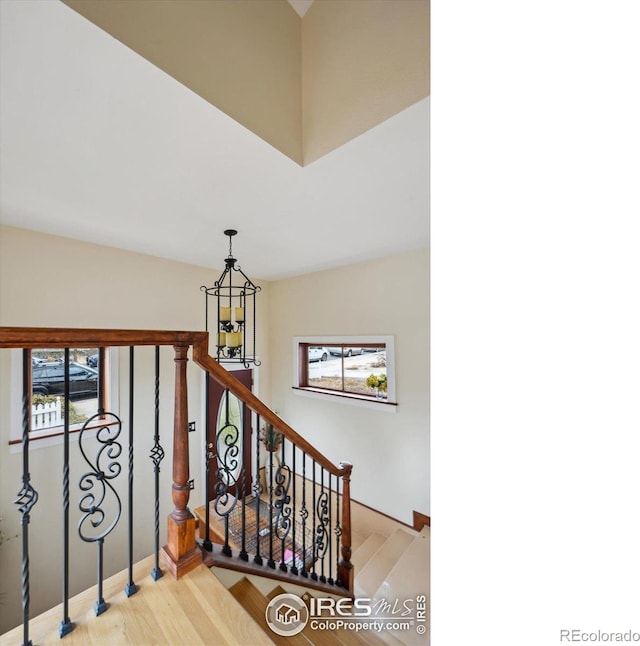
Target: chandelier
(234, 295)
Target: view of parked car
(48, 379)
(345, 352)
(318, 354)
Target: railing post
(345, 568)
(181, 554)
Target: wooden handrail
(35, 337)
(227, 380)
(181, 550)
(47, 337)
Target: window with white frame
(354, 368)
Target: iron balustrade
(272, 526)
(283, 538)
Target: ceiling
(301, 6)
(106, 148)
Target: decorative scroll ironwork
(283, 521)
(224, 500)
(322, 533)
(94, 503)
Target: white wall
(57, 282)
(390, 452)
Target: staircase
(387, 569)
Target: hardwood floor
(194, 610)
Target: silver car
(345, 352)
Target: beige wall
(389, 296)
(306, 86)
(52, 281)
(241, 56)
(362, 62)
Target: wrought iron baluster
(330, 578)
(257, 491)
(27, 496)
(99, 477)
(314, 574)
(304, 514)
(101, 378)
(130, 588)
(322, 535)
(337, 530)
(157, 454)
(294, 567)
(65, 625)
(283, 516)
(225, 501)
(206, 543)
(243, 474)
(271, 563)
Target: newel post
(181, 554)
(345, 567)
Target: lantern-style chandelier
(235, 301)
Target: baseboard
(381, 513)
(420, 520)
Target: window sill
(55, 435)
(347, 398)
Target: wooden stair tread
(315, 637)
(343, 637)
(255, 603)
(196, 610)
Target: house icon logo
(286, 615)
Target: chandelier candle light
(236, 307)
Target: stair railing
(103, 449)
(299, 520)
(301, 480)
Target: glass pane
(229, 439)
(326, 373)
(351, 369)
(47, 376)
(374, 366)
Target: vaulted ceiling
(155, 129)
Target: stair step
(381, 562)
(315, 637)
(409, 578)
(366, 550)
(255, 603)
(341, 637)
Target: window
(356, 368)
(48, 389)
